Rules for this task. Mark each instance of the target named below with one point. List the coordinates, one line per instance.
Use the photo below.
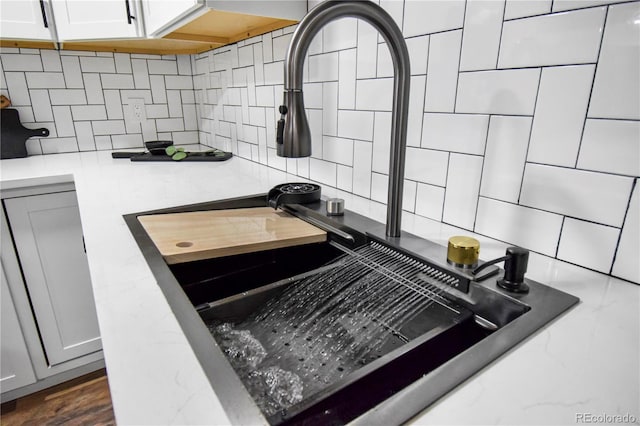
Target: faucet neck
(295, 133)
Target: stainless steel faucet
(294, 136)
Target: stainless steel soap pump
(293, 135)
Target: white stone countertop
(586, 363)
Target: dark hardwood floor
(82, 401)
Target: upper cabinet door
(97, 19)
(25, 19)
(160, 15)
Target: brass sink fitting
(463, 252)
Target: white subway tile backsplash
(127, 141)
(267, 48)
(584, 195)
(245, 56)
(18, 62)
(140, 74)
(462, 133)
(113, 104)
(344, 179)
(385, 63)
(103, 143)
(381, 142)
(45, 80)
(611, 146)
(72, 72)
(257, 116)
(158, 90)
(169, 124)
(178, 82)
(280, 46)
(498, 92)
(562, 38)
(560, 5)
(481, 39)
(330, 109)
(162, 67)
(95, 64)
(123, 63)
(560, 113)
(418, 48)
(174, 103)
(41, 105)
(533, 229)
(58, 145)
(355, 124)
(338, 150)
(616, 89)
(347, 79)
(88, 112)
(117, 81)
(323, 171)
(379, 187)
(340, 34)
(626, 262)
(264, 96)
(190, 117)
(588, 244)
(108, 127)
(442, 71)
(416, 108)
(426, 17)
(362, 152)
(463, 185)
(64, 121)
(374, 94)
(323, 67)
(429, 201)
(84, 136)
(25, 114)
(505, 157)
(18, 91)
(273, 73)
(425, 165)
(152, 111)
(93, 89)
(67, 97)
(51, 60)
(367, 51)
(523, 8)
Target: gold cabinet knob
(463, 252)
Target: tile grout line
(624, 220)
(533, 118)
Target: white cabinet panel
(25, 19)
(159, 14)
(96, 19)
(48, 237)
(15, 369)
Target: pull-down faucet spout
(293, 135)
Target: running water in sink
(326, 326)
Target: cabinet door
(159, 14)
(24, 19)
(96, 19)
(15, 365)
(48, 238)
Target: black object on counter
(515, 266)
(148, 156)
(293, 193)
(14, 135)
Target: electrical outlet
(138, 112)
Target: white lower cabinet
(16, 369)
(47, 277)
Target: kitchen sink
(450, 326)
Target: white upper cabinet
(160, 15)
(25, 19)
(97, 19)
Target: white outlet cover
(137, 111)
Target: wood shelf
(213, 29)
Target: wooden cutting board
(185, 237)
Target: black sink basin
(431, 352)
